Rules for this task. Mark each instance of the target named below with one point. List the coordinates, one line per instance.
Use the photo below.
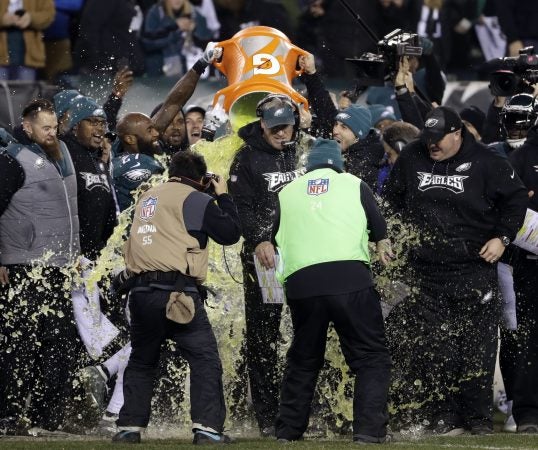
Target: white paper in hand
(272, 290)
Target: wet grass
(493, 442)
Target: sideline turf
(499, 441)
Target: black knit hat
(325, 152)
(475, 116)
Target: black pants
(525, 389)
(37, 353)
(358, 322)
(262, 336)
(444, 351)
(195, 342)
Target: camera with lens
(206, 181)
(515, 74)
(373, 69)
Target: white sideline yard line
(486, 447)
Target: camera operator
(422, 76)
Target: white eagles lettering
(95, 180)
(277, 180)
(453, 183)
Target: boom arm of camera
(362, 23)
(358, 89)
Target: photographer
(169, 257)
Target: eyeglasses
(96, 122)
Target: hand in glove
(211, 53)
(214, 118)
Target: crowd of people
(51, 39)
(307, 191)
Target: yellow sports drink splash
(256, 61)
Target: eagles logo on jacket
(129, 170)
(257, 174)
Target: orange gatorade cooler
(256, 61)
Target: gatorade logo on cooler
(265, 64)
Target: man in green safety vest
(325, 221)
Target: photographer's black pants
(444, 350)
(358, 322)
(195, 342)
(262, 336)
(525, 389)
(37, 354)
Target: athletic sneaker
(94, 380)
(202, 437)
(481, 430)
(127, 437)
(268, 432)
(107, 424)
(531, 428)
(365, 439)
(443, 428)
(510, 425)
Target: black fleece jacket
(258, 172)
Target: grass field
(493, 442)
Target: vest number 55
(146, 240)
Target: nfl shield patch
(318, 186)
(148, 208)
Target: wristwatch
(505, 240)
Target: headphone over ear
(260, 107)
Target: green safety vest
(321, 220)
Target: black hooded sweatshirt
(458, 205)
(525, 161)
(257, 174)
(96, 205)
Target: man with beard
(39, 238)
(174, 137)
(139, 142)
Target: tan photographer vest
(159, 240)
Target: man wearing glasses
(87, 143)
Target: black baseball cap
(440, 122)
(278, 115)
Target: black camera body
(373, 69)
(515, 74)
(206, 181)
